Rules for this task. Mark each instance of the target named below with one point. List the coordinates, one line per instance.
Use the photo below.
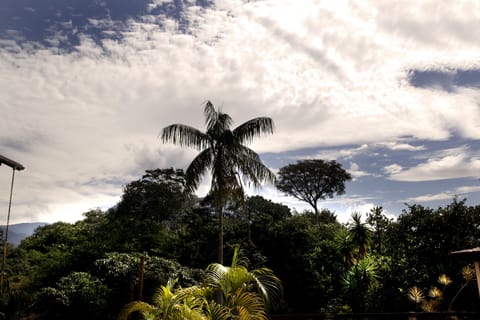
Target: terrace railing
(383, 316)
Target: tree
(120, 272)
(246, 294)
(360, 235)
(76, 296)
(359, 282)
(262, 215)
(312, 180)
(223, 152)
(419, 243)
(158, 196)
(149, 212)
(170, 303)
(305, 257)
(379, 223)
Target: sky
(389, 89)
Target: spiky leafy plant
(468, 274)
(245, 294)
(416, 295)
(170, 303)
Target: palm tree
(359, 283)
(245, 294)
(360, 235)
(170, 303)
(223, 152)
(468, 273)
(346, 247)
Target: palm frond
(136, 306)
(415, 294)
(237, 278)
(227, 279)
(184, 311)
(445, 280)
(239, 257)
(236, 255)
(435, 293)
(360, 233)
(224, 122)
(247, 131)
(346, 247)
(225, 185)
(468, 273)
(217, 311)
(253, 171)
(184, 135)
(211, 115)
(247, 305)
(197, 168)
(216, 121)
(179, 303)
(269, 285)
(428, 306)
(215, 272)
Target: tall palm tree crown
(224, 153)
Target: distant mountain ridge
(18, 232)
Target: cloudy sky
(389, 89)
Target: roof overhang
(12, 164)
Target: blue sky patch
(60, 23)
(447, 80)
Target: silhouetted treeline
(90, 269)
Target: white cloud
(393, 169)
(328, 73)
(467, 189)
(449, 164)
(402, 146)
(445, 195)
(429, 197)
(356, 172)
(338, 153)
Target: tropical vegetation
(243, 295)
(153, 253)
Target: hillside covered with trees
(370, 264)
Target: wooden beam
(477, 272)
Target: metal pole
(6, 232)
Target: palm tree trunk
(220, 233)
(219, 294)
(246, 216)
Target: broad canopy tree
(224, 153)
(312, 180)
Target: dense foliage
(91, 268)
